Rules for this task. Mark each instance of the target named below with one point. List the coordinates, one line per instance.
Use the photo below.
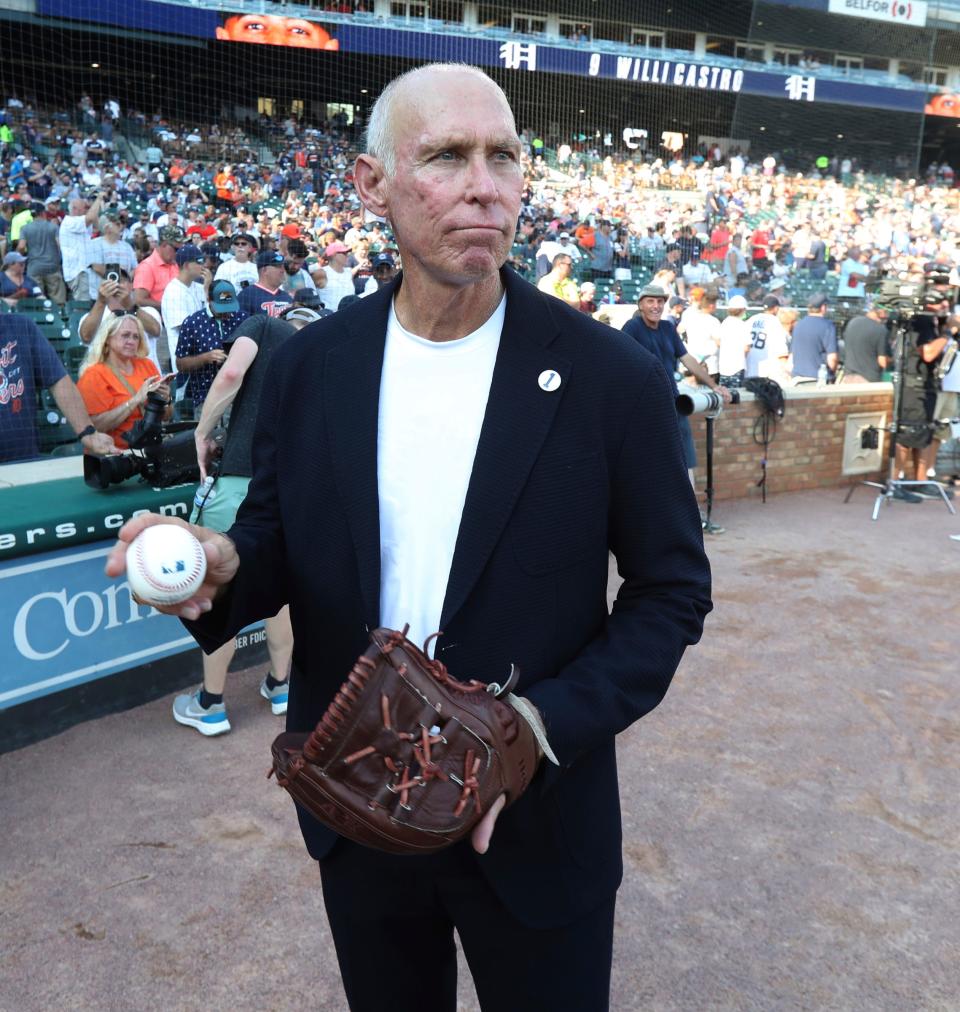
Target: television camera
(163, 455)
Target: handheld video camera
(163, 455)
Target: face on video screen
(272, 30)
(944, 104)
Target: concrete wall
(807, 447)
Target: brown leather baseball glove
(407, 759)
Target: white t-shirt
(734, 337)
(702, 338)
(339, 284)
(75, 236)
(236, 273)
(433, 397)
(768, 342)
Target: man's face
(454, 199)
(564, 266)
(168, 252)
(272, 276)
(241, 250)
(294, 264)
(193, 269)
(651, 309)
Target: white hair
(380, 142)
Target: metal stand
(709, 527)
(889, 488)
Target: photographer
(117, 375)
(109, 250)
(660, 338)
(925, 344)
(115, 299)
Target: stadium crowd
(191, 219)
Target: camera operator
(660, 338)
(924, 345)
(947, 405)
(239, 383)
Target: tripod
(894, 487)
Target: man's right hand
(108, 290)
(222, 563)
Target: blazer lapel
(351, 407)
(518, 417)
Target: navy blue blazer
(561, 478)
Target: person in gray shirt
(866, 348)
(40, 242)
(601, 257)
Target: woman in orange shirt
(116, 377)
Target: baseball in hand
(165, 564)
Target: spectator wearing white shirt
(702, 333)
(241, 270)
(769, 342)
(76, 231)
(734, 342)
(695, 272)
(185, 295)
(337, 281)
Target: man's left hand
(483, 831)
(99, 444)
(724, 392)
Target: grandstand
(626, 112)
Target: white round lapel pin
(549, 380)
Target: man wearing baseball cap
(267, 295)
(335, 281)
(15, 283)
(186, 294)
(660, 338)
(40, 240)
(241, 270)
(384, 271)
(160, 268)
(203, 336)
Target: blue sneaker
(277, 697)
(187, 710)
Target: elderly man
(659, 336)
(76, 231)
(462, 452)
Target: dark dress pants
(393, 920)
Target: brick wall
(807, 447)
